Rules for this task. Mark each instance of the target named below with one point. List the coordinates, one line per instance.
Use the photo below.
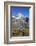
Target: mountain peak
(19, 15)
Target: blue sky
(23, 10)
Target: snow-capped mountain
(19, 15)
(19, 21)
